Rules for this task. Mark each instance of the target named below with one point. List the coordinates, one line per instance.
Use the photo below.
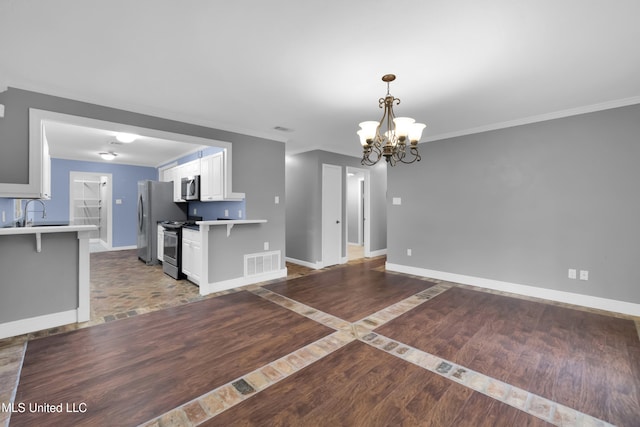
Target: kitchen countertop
(7, 231)
(231, 221)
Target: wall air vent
(261, 263)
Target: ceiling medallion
(390, 142)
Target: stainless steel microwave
(191, 188)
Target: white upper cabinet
(176, 177)
(212, 177)
(191, 168)
(215, 177)
(45, 192)
(173, 175)
(39, 173)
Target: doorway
(357, 213)
(90, 204)
(331, 215)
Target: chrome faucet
(26, 205)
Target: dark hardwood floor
(134, 369)
(444, 355)
(351, 293)
(361, 386)
(587, 361)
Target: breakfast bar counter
(45, 277)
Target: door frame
(108, 204)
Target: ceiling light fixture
(126, 137)
(392, 143)
(108, 155)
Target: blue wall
(6, 205)
(215, 210)
(125, 188)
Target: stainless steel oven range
(172, 259)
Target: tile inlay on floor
(348, 345)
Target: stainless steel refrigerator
(155, 204)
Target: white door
(331, 214)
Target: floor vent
(260, 263)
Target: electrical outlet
(584, 274)
(195, 211)
(573, 274)
(408, 252)
(266, 246)
(396, 201)
(4, 216)
(277, 199)
(239, 213)
(226, 213)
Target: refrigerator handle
(140, 213)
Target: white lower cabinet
(191, 254)
(160, 244)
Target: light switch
(396, 201)
(277, 199)
(118, 201)
(266, 246)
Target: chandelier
(392, 142)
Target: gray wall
(259, 172)
(226, 254)
(35, 284)
(304, 203)
(258, 164)
(524, 204)
(14, 158)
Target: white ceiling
(315, 66)
(71, 141)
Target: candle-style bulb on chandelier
(394, 138)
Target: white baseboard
(526, 290)
(122, 248)
(38, 323)
(241, 281)
(379, 252)
(315, 266)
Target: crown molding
(539, 118)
